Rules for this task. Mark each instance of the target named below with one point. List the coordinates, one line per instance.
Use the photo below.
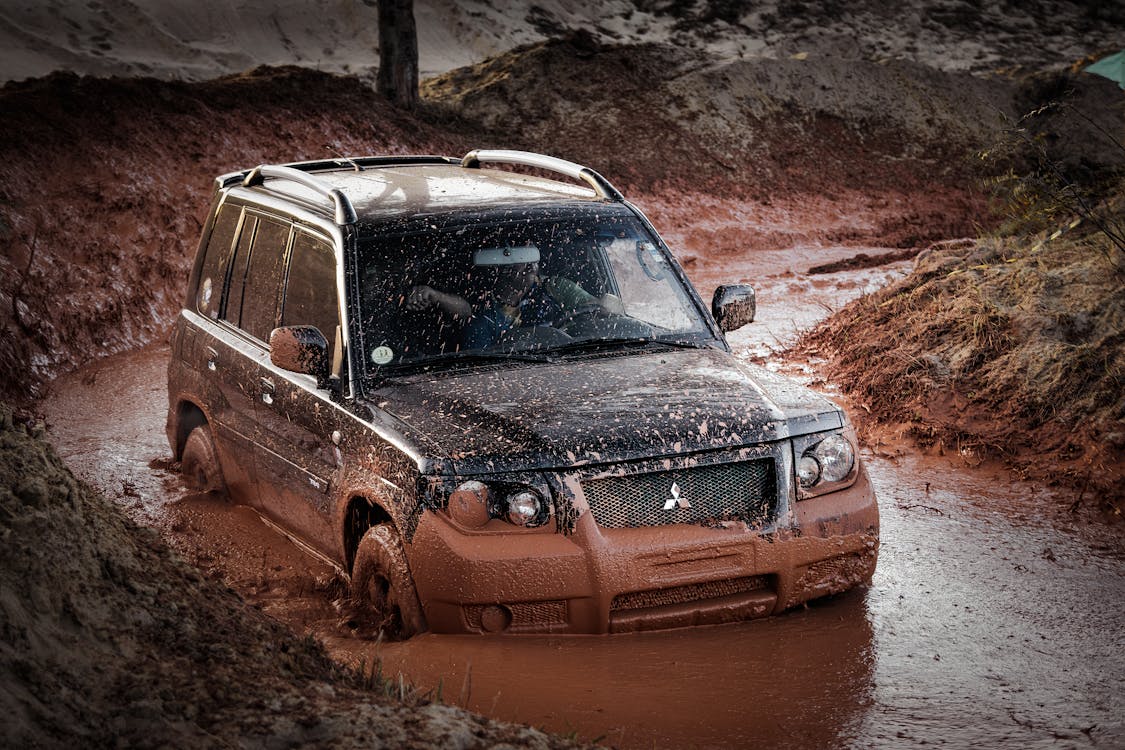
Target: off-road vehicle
(495, 400)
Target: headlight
(836, 458)
(526, 508)
(824, 463)
(520, 499)
(468, 504)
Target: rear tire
(382, 585)
(200, 463)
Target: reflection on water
(803, 680)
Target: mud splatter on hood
(602, 408)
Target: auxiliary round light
(468, 504)
(526, 508)
(808, 471)
(836, 458)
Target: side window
(310, 291)
(216, 259)
(232, 311)
(263, 278)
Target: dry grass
(1014, 344)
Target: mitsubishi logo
(676, 501)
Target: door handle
(212, 358)
(267, 390)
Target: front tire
(200, 463)
(382, 585)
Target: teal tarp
(1111, 67)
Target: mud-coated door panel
(297, 460)
(296, 457)
(224, 364)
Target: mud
(989, 621)
(993, 619)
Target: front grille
(694, 592)
(741, 491)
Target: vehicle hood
(602, 408)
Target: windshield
(518, 287)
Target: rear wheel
(200, 462)
(382, 585)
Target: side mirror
(734, 306)
(300, 349)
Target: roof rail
(357, 163)
(345, 213)
(601, 185)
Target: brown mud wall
(105, 182)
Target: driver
(519, 297)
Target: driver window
(310, 290)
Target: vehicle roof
(386, 192)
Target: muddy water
(989, 623)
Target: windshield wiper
(593, 344)
(455, 358)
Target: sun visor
(505, 256)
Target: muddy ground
(755, 170)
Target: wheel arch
(362, 513)
(188, 416)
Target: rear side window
(263, 278)
(232, 313)
(310, 293)
(215, 260)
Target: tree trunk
(398, 53)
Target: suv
(497, 402)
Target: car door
(213, 343)
(297, 458)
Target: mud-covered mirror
(734, 306)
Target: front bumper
(599, 580)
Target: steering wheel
(581, 315)
(593, 320)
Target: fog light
(468, 505)
(495, 618)
(808, 471)
(526, 508)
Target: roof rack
(345, 213)
(299, 172)
(601, 185)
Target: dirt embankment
(107, 639)
(1013, 346)
(105, 182)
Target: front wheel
(200, 463)
(382, 585)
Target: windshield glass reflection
(528, 287)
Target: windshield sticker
(205, 293)
(382, 355)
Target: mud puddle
(791, 300)
(987, 624)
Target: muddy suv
(496, 401)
